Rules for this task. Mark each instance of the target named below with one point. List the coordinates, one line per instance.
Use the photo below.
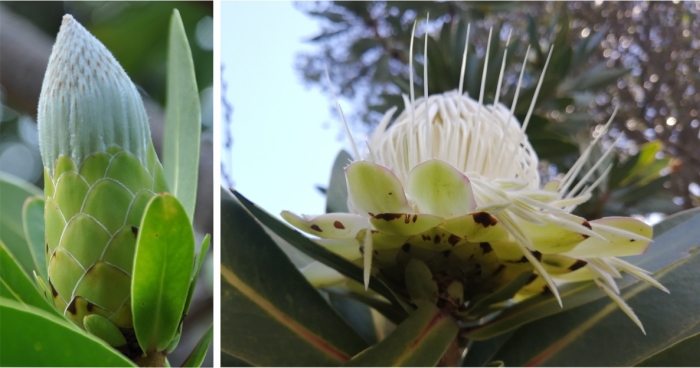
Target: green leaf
(667, 249)
(588, 334)
(182, 119)
(681, 354)
(318, 252)
(13, 192)
(480, 353)
(674, 220)
(391, 312)
(228, 360)
(16, 285)
(504, 293)
(162, 271)
(33, 221)
(420, 341)
(199, 260)
(270, 315)
(337, 193)
(33, 337)
(358, 315)
(197, 355)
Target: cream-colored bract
(464, 176)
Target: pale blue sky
(281, 149)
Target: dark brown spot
(436, 239)
(632, 240)
(588, 225)
(407, 218)
(90, 306)
(499, 269)
(390, 193)
(486, 247)
(315, 227)
(484, 219)
(71, 306)
(415, 218)
(156, 235)
(406, 247)
(135, 230)
(362, 249)
(370, 213)
(47, 248)
(387, 216)
(425, 237)
(537, 255)
(53, 290)
(578, 264)
(446, 253)
(453, 239)
(585, 236)
(532, 278)
(338, 225)
(546, 290)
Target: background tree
(642, 57)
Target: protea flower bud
(100, 172)
(447, 202)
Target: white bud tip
(87, 101)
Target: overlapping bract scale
(92, 218)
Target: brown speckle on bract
(317, 228)
(484, 219)
(338, 225)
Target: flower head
(87, 101)
(453, 183)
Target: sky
(281, 149)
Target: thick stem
(154, 360)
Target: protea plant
(105, 187)
(446, 203)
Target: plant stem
(451, 356)
(154, 360)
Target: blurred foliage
(135, 33)
(594, 66)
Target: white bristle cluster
(88, 102)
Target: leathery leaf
(162, 272)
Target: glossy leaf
(588, 334)
(182, 119)
(667, 249)
(16, 285)
(681, 354)
(33, 221)
(197, 355)
(674, 220)
(269, 313)
(337, 193)
(13, 192)
(33, 337)
(318, 252)
(162, 272)
(420, 341)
